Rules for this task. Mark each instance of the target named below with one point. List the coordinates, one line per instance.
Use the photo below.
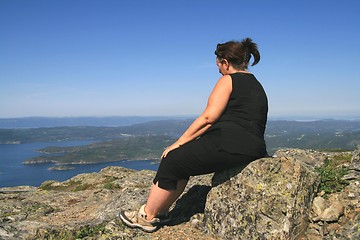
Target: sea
(14, 173)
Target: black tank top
(240, 129)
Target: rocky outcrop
(271, 198)
(337, 215)
(87, 206)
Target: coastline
(14, 173)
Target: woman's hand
(170, 148)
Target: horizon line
(302, 117)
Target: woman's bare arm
(217, 102)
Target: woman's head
(238, 54)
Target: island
(130, 148)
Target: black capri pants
(200, 156)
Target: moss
(111, 185)
(84, 232)
(70, 186)
(82, 187)
(342, 158)
(53, 234)
(47, 185)
(90, 231)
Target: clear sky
(132, 57)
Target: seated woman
(229, 132)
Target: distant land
(117, 121)
(127, 148)
(147, 138)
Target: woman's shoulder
(225, 79)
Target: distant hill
(319, 126)
(27, 135)
(36, 122)
(322, 134)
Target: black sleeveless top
(240, 129)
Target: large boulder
(268, 199)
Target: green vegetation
(332, 173)
(111, 185)
(47, 185)
(83, 232)
(72, 185)
(129, 148)
(90, 231)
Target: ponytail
(250, 48)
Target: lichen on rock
(269, 199)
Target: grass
(111, 185)
(90, 231)
(75, 186)
(71, 186)
(332, 172)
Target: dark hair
(238, 53)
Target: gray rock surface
(269, 199)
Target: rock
(356, 155)
(313, 237)
(332, 228)
(354, 167)
(341, 217)
(319, 205)
(87, 207)
(308, 156)
(352, 175)
(269, 199)
(331, 213)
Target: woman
(229, 132)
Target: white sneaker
(137, 219)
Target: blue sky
(121, 58)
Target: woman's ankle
(149, 215)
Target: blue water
(14, 173)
